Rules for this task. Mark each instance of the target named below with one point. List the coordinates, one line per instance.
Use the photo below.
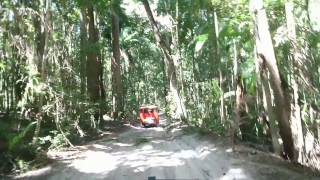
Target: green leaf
(2, 67)
(200, 40)
(18, 138)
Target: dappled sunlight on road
(177, 158)
(140, 153)
(235, 172)
(98, 146)
(123, 144)
(96, 162)
(139, 158)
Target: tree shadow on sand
(165, 155)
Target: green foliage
(17, 139)
(215, 126)
(22, 165)
(249, 75)
(18, 150)
(2, 67)
(57, 141)
(200, 40)
(216, 91)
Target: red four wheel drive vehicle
(149, 116)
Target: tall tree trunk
(215, 42)
(222, 111)
(94, 65)
(42, 26)
(176, 44)
(265, 51)
(180, 111)
(238, 110)
(296, 125)
(264, 96)
(83, 51)
(117, 90)
(267, 105)
(235, 65)
(19, 61)
(317, 124)
(93, 62)
(216, 59)
(5, 39)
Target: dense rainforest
(246, 69)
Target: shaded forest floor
(132, 152)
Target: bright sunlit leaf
(200, 40)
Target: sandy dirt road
(139, 153)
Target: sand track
(139, 153)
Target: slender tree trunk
(222, 111)
(83, 51)
(237, 89)
(165, 79)
(176, 44)
(215, 35)
(179, 106)
(117, 91)
(267, 105)
(19, 75)
(235, 65)
(42, 26)
(216, 60)
(265, 51)
(296, 126)
(317, 124)
(238, 109)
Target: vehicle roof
(148, 107)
